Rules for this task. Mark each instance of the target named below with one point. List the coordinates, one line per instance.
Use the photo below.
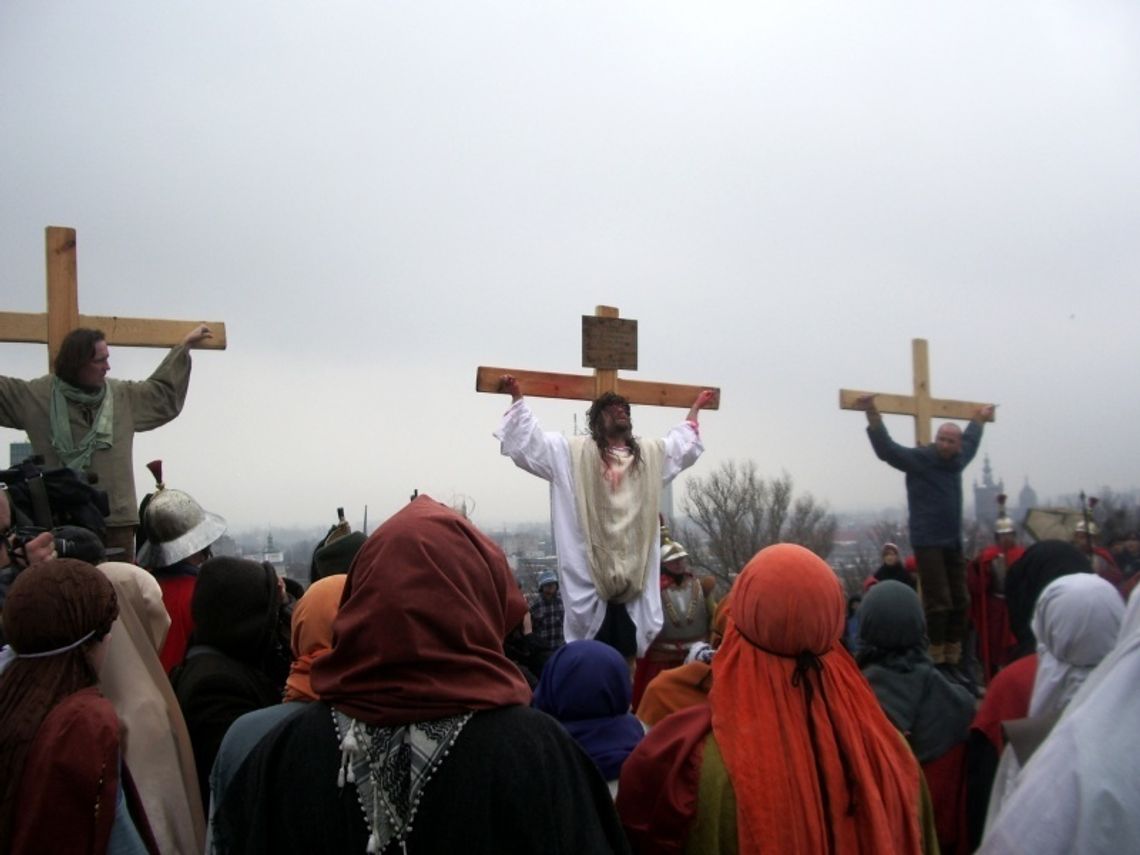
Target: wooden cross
(63, 316)
(920, 406)
(608, 344)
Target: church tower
(985, 498)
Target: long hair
(50, 605)
(594, 420)
(77, 349)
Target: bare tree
(739, 512)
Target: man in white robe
(605, 495)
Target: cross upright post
(62, 315)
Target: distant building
(18, 452)
(1026, 499)
(270, 554)
(985, 498)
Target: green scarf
(78, 456)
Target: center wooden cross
(920, 406)
(63, 316)
(609, 343)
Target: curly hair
(594, 420)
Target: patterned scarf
(99, 436)
(390, 767)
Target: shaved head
(948, 440)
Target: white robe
(547, 455)
(1080, 791)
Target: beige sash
(617, 505)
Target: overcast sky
(378, 197)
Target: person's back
(933, 712)
(235, 663)
(585, 686)
(422, 740)
(66, 787)
(792, 745)
(1080, 790)
(513, 781)
(158, 748)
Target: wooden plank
(538, 384)
(957, 410)
(903, 405)
(895, 405)
(920, 359)
(153, 332)
(605, 380)
(62, 287)
(609, 343)
(23, 326)
(664, 394)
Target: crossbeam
(587, 387)
(920, 406)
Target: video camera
(70, 541)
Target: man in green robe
(78, 418)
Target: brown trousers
(945, 598)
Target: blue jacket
(933, 485)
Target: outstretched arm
(683, 443)
(704, 398)
(197, 335)
(866, 403)
(886, 449)
(972, 435)
(522, 439)
(510, 384)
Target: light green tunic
(139, 406)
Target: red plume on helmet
(155, 467)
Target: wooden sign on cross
(62, 315)
(920, 406)
(606, 347)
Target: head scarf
(158, 753)
(51, 608)
(419, 635)
(934, 713)
(1043, 562)
(237, 609)
(585, 685)
(333, 555)
(1076, 622)
(892, 625)
(312, 633)
(815, 764)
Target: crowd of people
(411, 699)
(382, 711)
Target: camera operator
(13, 560)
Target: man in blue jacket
(934, 503)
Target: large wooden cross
(609, 343)
(920, 406)
(62, 315)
